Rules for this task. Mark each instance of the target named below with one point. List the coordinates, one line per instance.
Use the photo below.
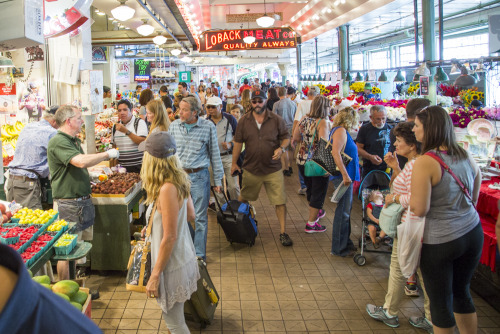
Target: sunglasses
(211, 107)
(257, 101)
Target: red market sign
(232, 40)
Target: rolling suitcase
(201, 307)
(237, 220)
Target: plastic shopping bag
(410, 235)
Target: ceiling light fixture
(119, 48)
(455, 68)
(382, 77)
(140, 54)
(399, 77)
(129, 52)
(348, 77)
(145, 29)
(465, 80)
(122, 12)
(441, 75)
(248, 39)
(265, 21)
(175, 52)
(359, 77)
(160, 39)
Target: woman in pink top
(407, 146)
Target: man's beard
(380, 126)
(258, 110)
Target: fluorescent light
(186, 59)
(145, 29)
(122, 12)
(175, 52)
(100, 13)
(265, 21)
(249, 39)
(159, 40)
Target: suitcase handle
(227, 201)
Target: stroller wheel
(359, 259)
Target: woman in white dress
(175, 272)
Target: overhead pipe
(166, 28)
(415, 24)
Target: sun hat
(213, 101)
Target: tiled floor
(274, 289)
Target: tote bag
(410, 235)
(311, 168)
(390, 218)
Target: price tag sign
(9, 149)
(424, 86)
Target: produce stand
(81, 249)
(111, 242)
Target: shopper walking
(311, 129)
(286, 109)
(406, 146)
(197, 149)
(174, 266)
(272, 98)
(146, 96)
(245, 100)
(346, 120)
(157, 116)
(453, 236)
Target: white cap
(213, 101)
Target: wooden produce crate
(128, 192)
(87, 307)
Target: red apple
(2, 208)
(9, 214)
(4, 219)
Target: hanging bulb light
(367, 77)
(348, 77)
(359, 77)
(441, 75)
(119, 48)
(129, 52)
(399, 77)
(140, 54)
(465, 80)
(455, 68)
(122, 12)
(145, 29)
(248, 39)
(160, 39)
(382, 77)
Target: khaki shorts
(274, 184)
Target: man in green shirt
(70, 178)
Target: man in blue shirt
(198, 148)
(30, 162)
(28, 307)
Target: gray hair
(377, 108)
(313, 91)
(63, 113)
(194, 103)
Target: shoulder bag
(139, 263)
(390, 218)
(311, 168)
(324, 158)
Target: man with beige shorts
(266, 138)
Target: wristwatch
(127, 133)
(283, 149)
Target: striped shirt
(130, 155)
(198, 146)
(402, 186)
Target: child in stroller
(373, 209)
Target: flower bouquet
(448, 90)
(462, 116)
(357, 87)
(493, 112)
(413, 88)
(376, 90)
(445, 101)
(331, 90)
(467, 96)
(305, 90)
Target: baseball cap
(290, 90)
(259, 93)
(213, 101)
(52, 109)
(159, 144)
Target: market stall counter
(112, 234)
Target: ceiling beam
(171, 5)
(247, 2)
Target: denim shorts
(80, 212)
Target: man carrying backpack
(127, 134)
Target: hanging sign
(265, 39)
(142, 70)
(63, 16)
(122, 71)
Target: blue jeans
(301, 180)
(200, 193)
(341, 229)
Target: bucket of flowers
(469, 95)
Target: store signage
(142, 70)
(8, 100)
(424, 85)
(265, 39)
(99, 54)
(185, 76)
(91, 91)
(63, 16)
(122, 71)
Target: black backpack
(136, 125)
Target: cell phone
(236, 173)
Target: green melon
(63, 296)
(67, 287)
(80, 297)
(78, 306)
(47, 286)
(44, 279)
(31, 274)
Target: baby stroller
(374, 180)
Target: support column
(299, 66)
(343, 34)
(429, 39)
(316, 69)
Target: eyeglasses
(211, 107)
(257, 101)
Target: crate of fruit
(9, 240)
(65, 244)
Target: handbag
(311, 168)
(453, 175)
(139, 263)
(324, 158)
(390, 218)
(410, 235)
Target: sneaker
(376, 244)
(411, 289)
(321, 213)
(422, 323)
(212, 207)
(285, 239)
(286, 172)
(315, 228)
(302, 191)
(290, 170)
(378, 313)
